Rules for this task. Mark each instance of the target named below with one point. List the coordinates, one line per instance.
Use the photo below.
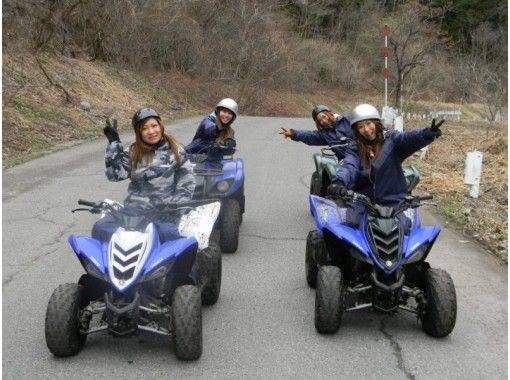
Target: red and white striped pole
(386, 34)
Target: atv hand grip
(83, 202)
(424, 198)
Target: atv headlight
(418, 254)
(93, 271)
(223, 186)
(159, 272)
(357, 255)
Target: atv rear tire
(187, 322)
(62, 324)
(441, 314)
(328, 300)
(211, 290)
(229, 226)
(311, 268)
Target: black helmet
(318, 109)
(142, 114)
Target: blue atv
(327, 164)
(134, 282)
(376, 265)
(221, 176)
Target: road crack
(272, 238)
(397, 351)
(302, 180)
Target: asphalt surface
(262, 326)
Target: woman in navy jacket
(215, 127)
(331, 129)
(373, 163)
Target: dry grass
(442, 172)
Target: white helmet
(364, 112)
(229, 104)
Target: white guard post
(398, 124)
(388, 115)
(473, 172)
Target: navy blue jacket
(327, 136)
(205, 135)
(383, 182)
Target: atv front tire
(328, 300)
(441, 313)
(187, 322)
(229, 226)
(62, 324)
(211, 290)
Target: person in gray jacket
(157, 166)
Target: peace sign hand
(286, 132)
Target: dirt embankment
(51, 102)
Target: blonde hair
(139, 149)
(226, 132)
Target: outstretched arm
(308, 137)
(406, 143)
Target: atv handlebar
(97, 207)
(228, 146)
(410, 201)
(83, 202)
(342, 143)
(424, 198)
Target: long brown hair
(331, 119)
(139, 149)
(369, 151)
(226, 131)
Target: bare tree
(409, 45)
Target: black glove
(433, 132)
(110, 131)
(337, 189)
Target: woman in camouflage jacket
(157, 167)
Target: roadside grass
(442, 174)
(484, 222)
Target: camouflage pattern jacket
(162, 181)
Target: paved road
(262, 325)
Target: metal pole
(386, 33)
(401, 92)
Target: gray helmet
(318, 109)
(142, 114)
(364, 112)
(229, 104)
